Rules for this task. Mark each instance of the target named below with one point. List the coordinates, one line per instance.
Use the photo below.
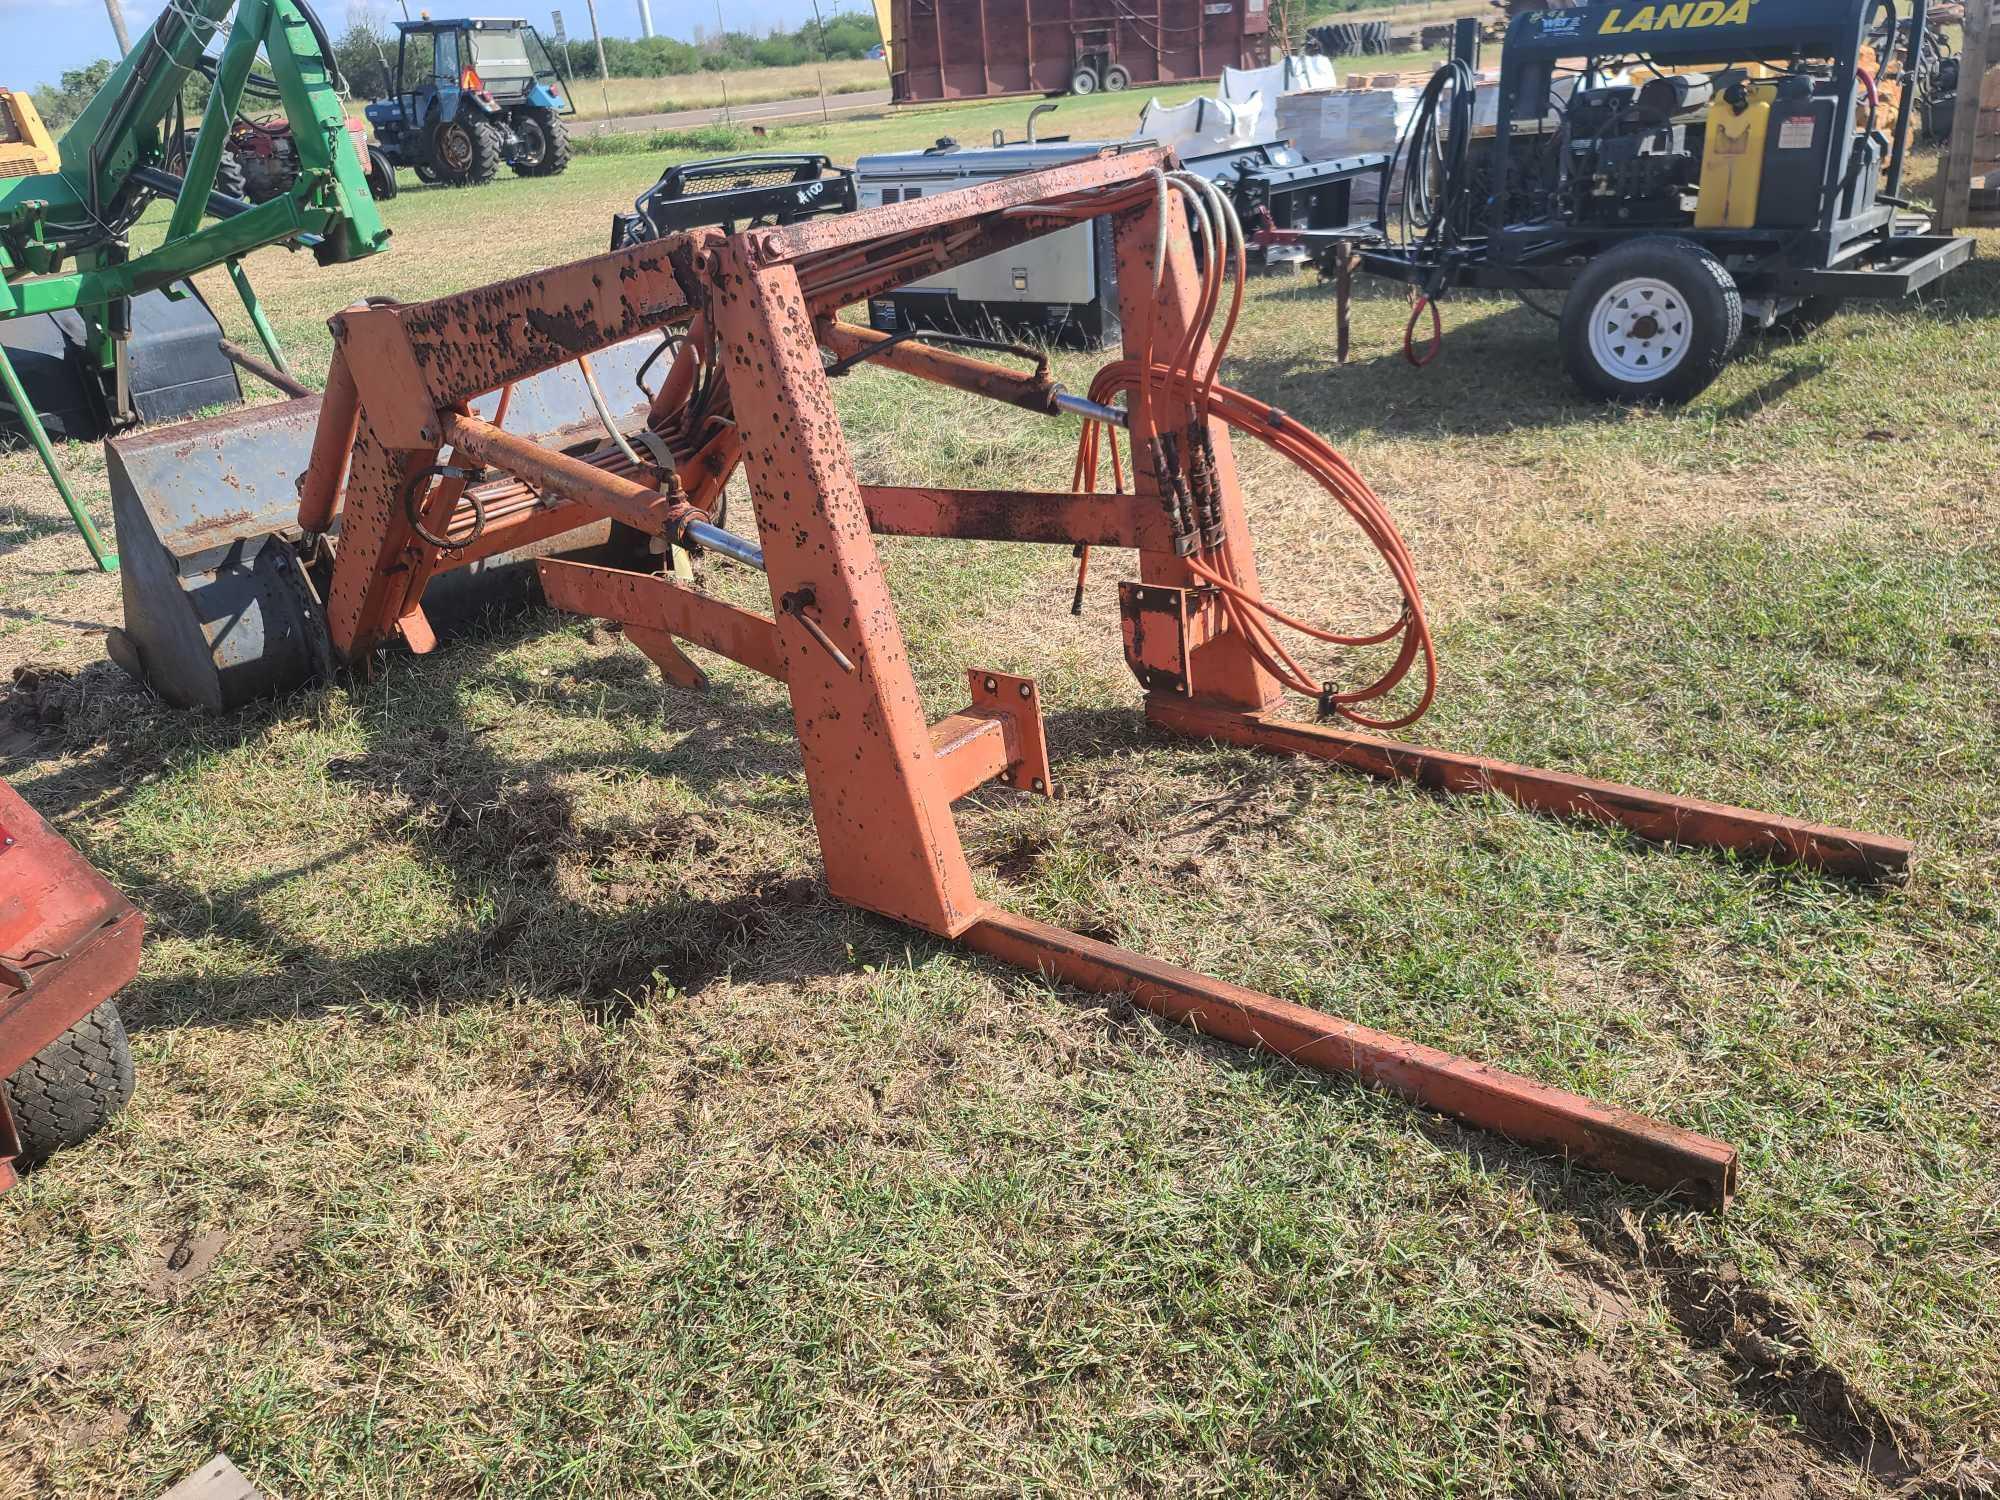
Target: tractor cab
(469, 94)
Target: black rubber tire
(381, 175)
(485, 155)
(472, 144)
(545, 148)
(1715, 310)
(1083, 81)
(229, 175)
(426, 174)
(71, 1088)
(1117, 79)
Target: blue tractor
(468, 95)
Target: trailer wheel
(1083, 81)
(1117, 79)
(1652, 319)
(71, 1088)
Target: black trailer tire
(1117, 79)
(381, 175)
(1083, 81)
(71, 1088)
(426, 173)
(1653, 319)
(544, 150)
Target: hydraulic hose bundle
(1171, 399)
(1434, 188)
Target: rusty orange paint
(880, 778)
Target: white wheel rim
(1640, 330)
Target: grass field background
(559, 1136)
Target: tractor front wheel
(544, 143)
(71, 1088)
(381, 175)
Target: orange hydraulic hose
(1247, 611)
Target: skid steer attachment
(221, 606)
(761, 338)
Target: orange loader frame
(758, 315)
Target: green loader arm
(64, 235)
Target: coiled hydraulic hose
(1181, 395)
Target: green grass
(571, 1141)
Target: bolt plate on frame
(1153, 619)
(1019, 699)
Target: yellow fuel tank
(1732, 160)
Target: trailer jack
(756, 319)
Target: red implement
(68, 941)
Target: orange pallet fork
(757, 316)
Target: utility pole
(117, 14)
(645, 18)
(819, 68)
(603, 68)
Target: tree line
(366, 56)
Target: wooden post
(1975, 62)
(603, 71)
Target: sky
(48, 36)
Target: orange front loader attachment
(757, 318)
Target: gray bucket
(219, 610)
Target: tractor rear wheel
(229, 175)
(72, 1087)
(1653, 319)
(465, 153)
(544, 143)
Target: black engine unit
(1627, 158)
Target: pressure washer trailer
(1675, 169)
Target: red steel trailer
(971, 49)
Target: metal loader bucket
(218, 609)
(174, 366)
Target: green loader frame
(65, 235)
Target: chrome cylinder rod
(728, 543)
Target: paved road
(789, 111)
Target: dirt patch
(1771, 1358)
(189, 1258)
(1020, 859)
(467, 812)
